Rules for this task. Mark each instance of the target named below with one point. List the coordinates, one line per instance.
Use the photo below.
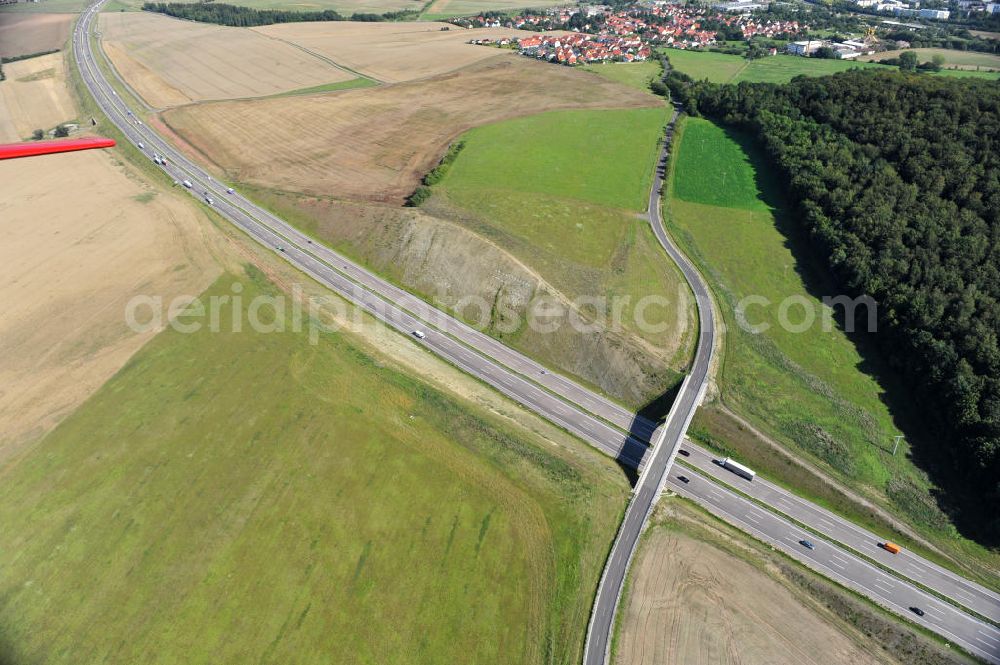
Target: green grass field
(724, 68)
(971, 59)
(562, 191)
(249, 497)
(359, 82)
(633, 74)
(807, 388)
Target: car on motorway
(684, 453)
(807, 544)
(209, 200)
(419, 334)
(684, 479)
(142, 146)
(230, 191)
(187, 183)
(916, 610)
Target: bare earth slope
(376, 143)
(170, 62)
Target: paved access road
(906, 564)
(976, 637)
(591, 417)
(665, 445)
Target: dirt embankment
(452, 266)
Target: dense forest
(244, 17)
(896, 178)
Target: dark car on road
(807, 544)
(683, 452)
(683, 479)
(916, 610)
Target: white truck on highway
(738, 469)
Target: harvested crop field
(34, 96)
(391, 52)
(464, 7)
(21, 34)
(693, 603)
(67, 273)
(376, 143)
(171, 62)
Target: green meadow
(633, 74)
(564, 191)
(250, 497)
(810, 388)
(725, 68)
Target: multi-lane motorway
(596, 420)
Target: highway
(592, 418)
(833, 527)
(890, 592)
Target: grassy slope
(253, 498)
(561, 190)
(807, 388)
(633, 74)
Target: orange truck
(890, 547)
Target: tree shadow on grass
(897, 391)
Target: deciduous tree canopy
(897, 178)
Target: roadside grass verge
(249, 496)
(813, 390)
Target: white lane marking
(988, 636)
(886, 585)
(834, 563)
(752, 518)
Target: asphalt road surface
(665, 445)
(905, 564)
(595, 419)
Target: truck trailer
(738, 469)
(890, 546)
